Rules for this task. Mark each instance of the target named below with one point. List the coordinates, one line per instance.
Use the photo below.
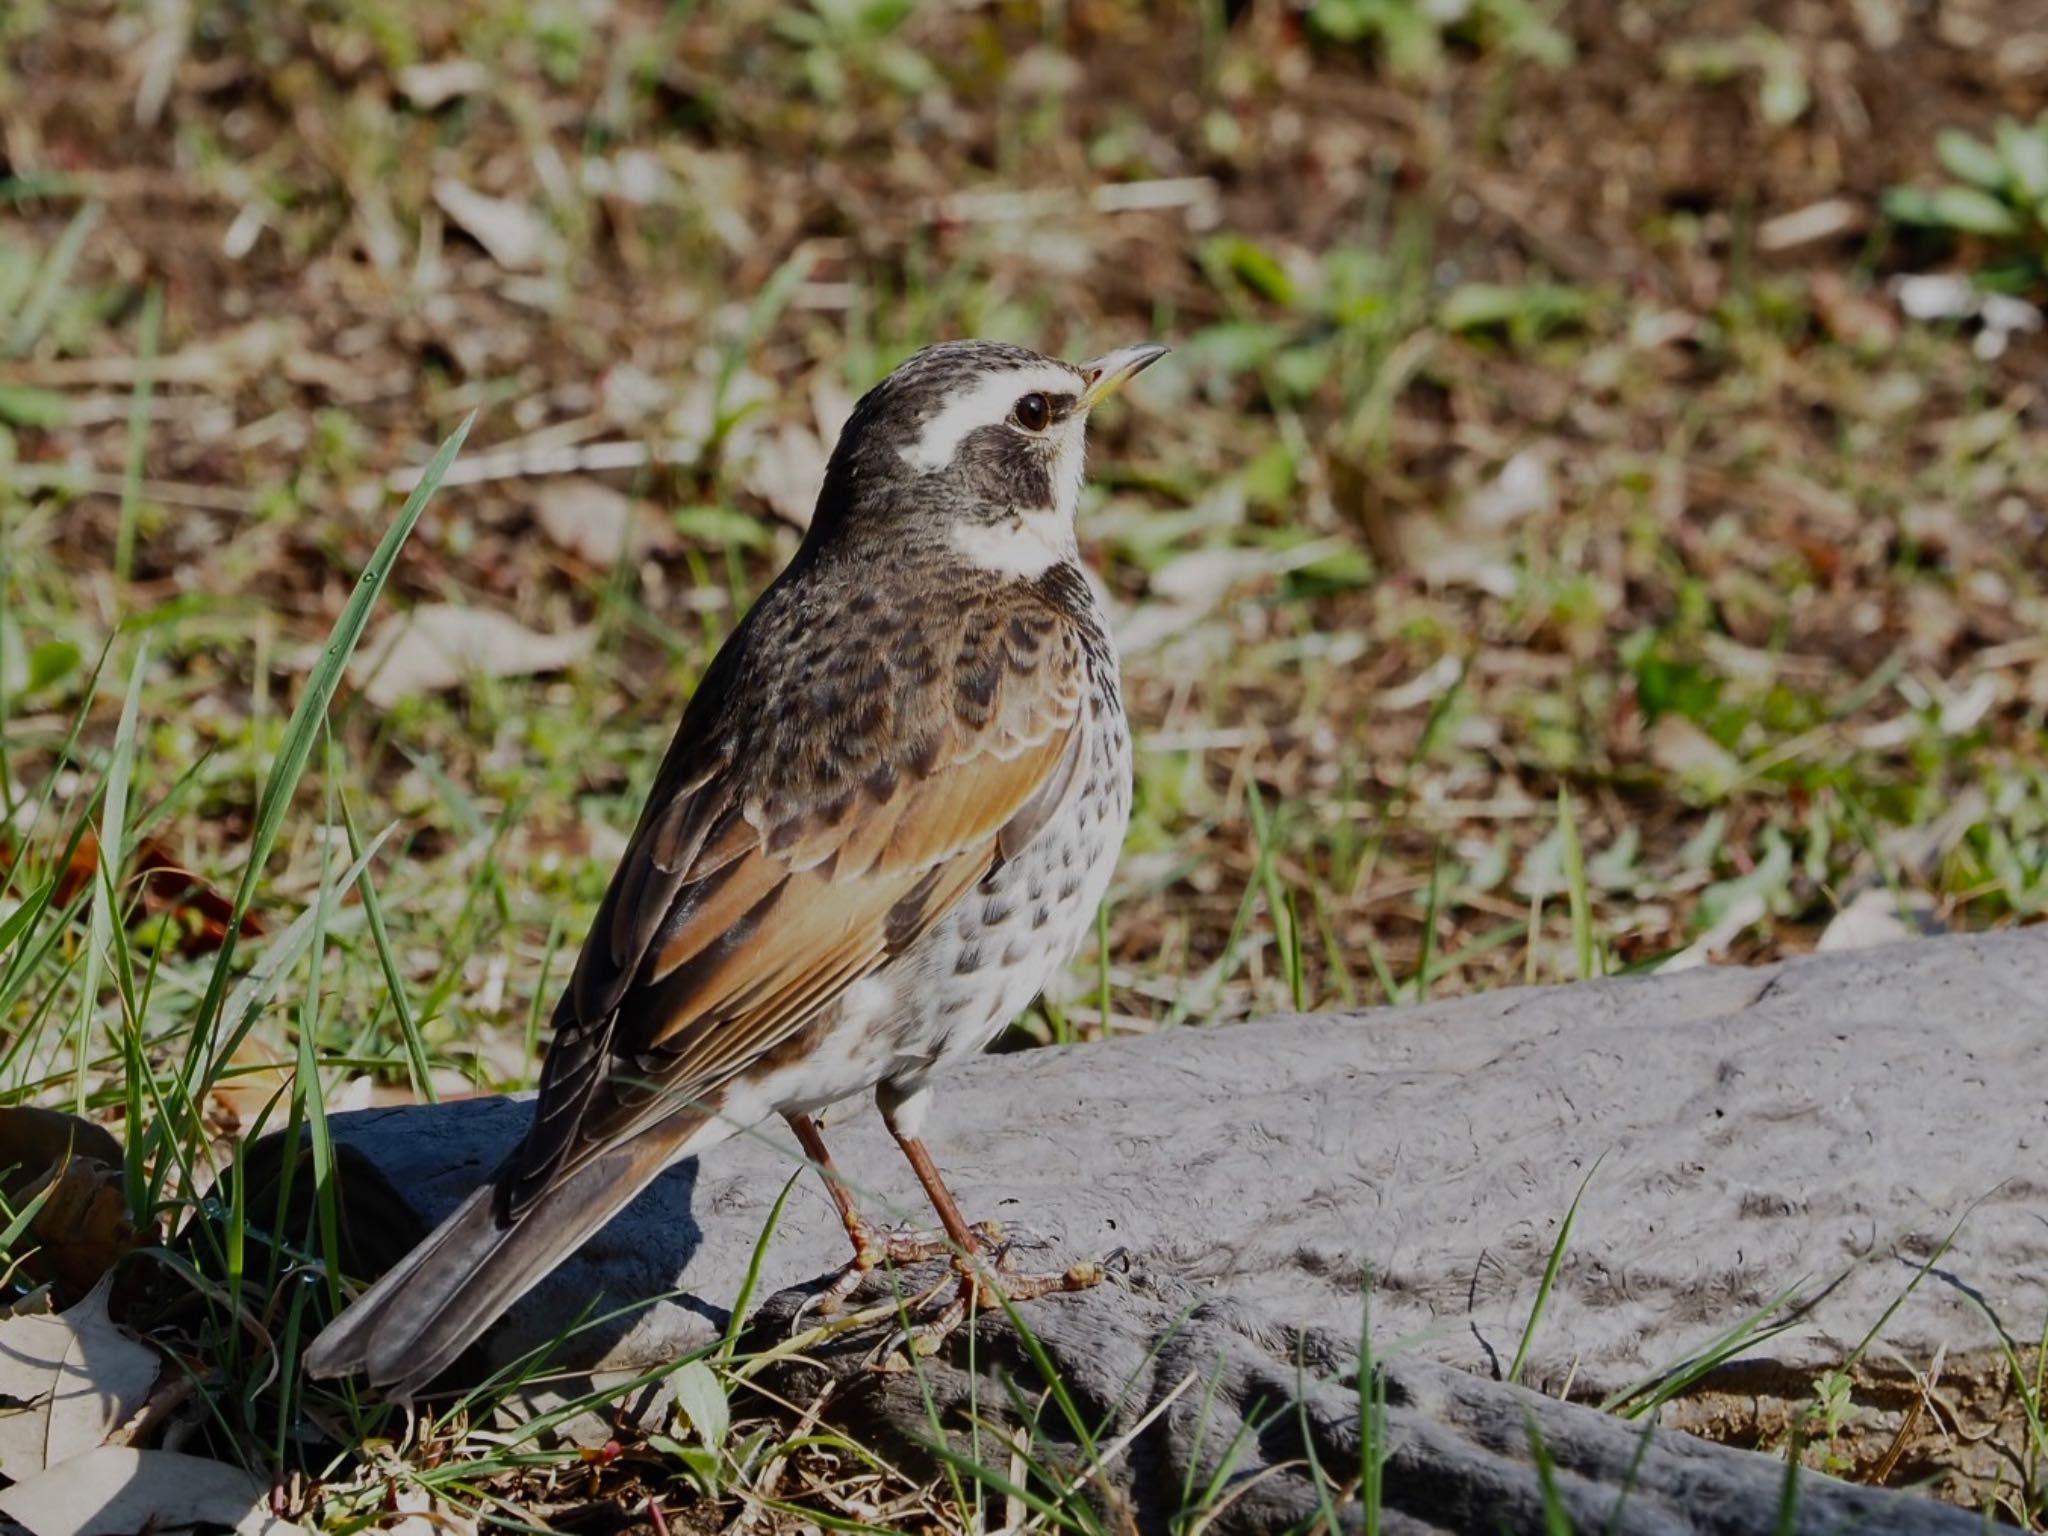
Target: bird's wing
(763, 881)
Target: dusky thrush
(890, 812)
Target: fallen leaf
(116, 1491)
(717, 407)
(257, 1073)
(1746, 909)
(511, 233)
(440, 645)
(1873, 917)
(1145, 627)
(428, 86)
(1693, 757)
(634, 176)
(83, 1226)
(1936, 296)
(1964, 709)
(358, 1092)
(1932, 296)
(79, 866)
(787, 473)
(789, 466)
(68, 1382)
(594, 522)
(1828, 219)
(421, 1514)
(199, 910)
(1426, 687)
(1523, 487)
(1851, 317)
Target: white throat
(1023, 546)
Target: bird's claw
(980, 1290)
(898, 1247)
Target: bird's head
(975, 445)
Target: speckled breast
(980, 966)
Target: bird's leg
(965, 1239)
(869, 1246)
(978, 1287)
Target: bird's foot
(898, 1247)
(982, 1291)
(989, 1289)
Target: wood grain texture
(1820, 1126)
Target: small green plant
(1523, 312)
(1999, 194)
(1827, 1416)
(1783, 92)
(844, 39)
(1412, 33)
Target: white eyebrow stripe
(988, 402)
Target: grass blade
(380, 937)
(1575, 886)
(1550, 1269)
(138, 432)
(307, 721)
(50, 280)
(106, 907)
(745, 1301)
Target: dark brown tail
(415, 1321)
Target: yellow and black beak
(1108, 373)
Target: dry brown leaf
(787, 472)
(1851, 317)
(67, 1382)
(83, 1227)
(116, 1491)
(199, 910)
(440, 645)
(789, 465)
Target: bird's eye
(1033, 412)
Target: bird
(889, 813)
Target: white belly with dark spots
(980, 966)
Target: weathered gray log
(1219, 1407)
(1818, 1128)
